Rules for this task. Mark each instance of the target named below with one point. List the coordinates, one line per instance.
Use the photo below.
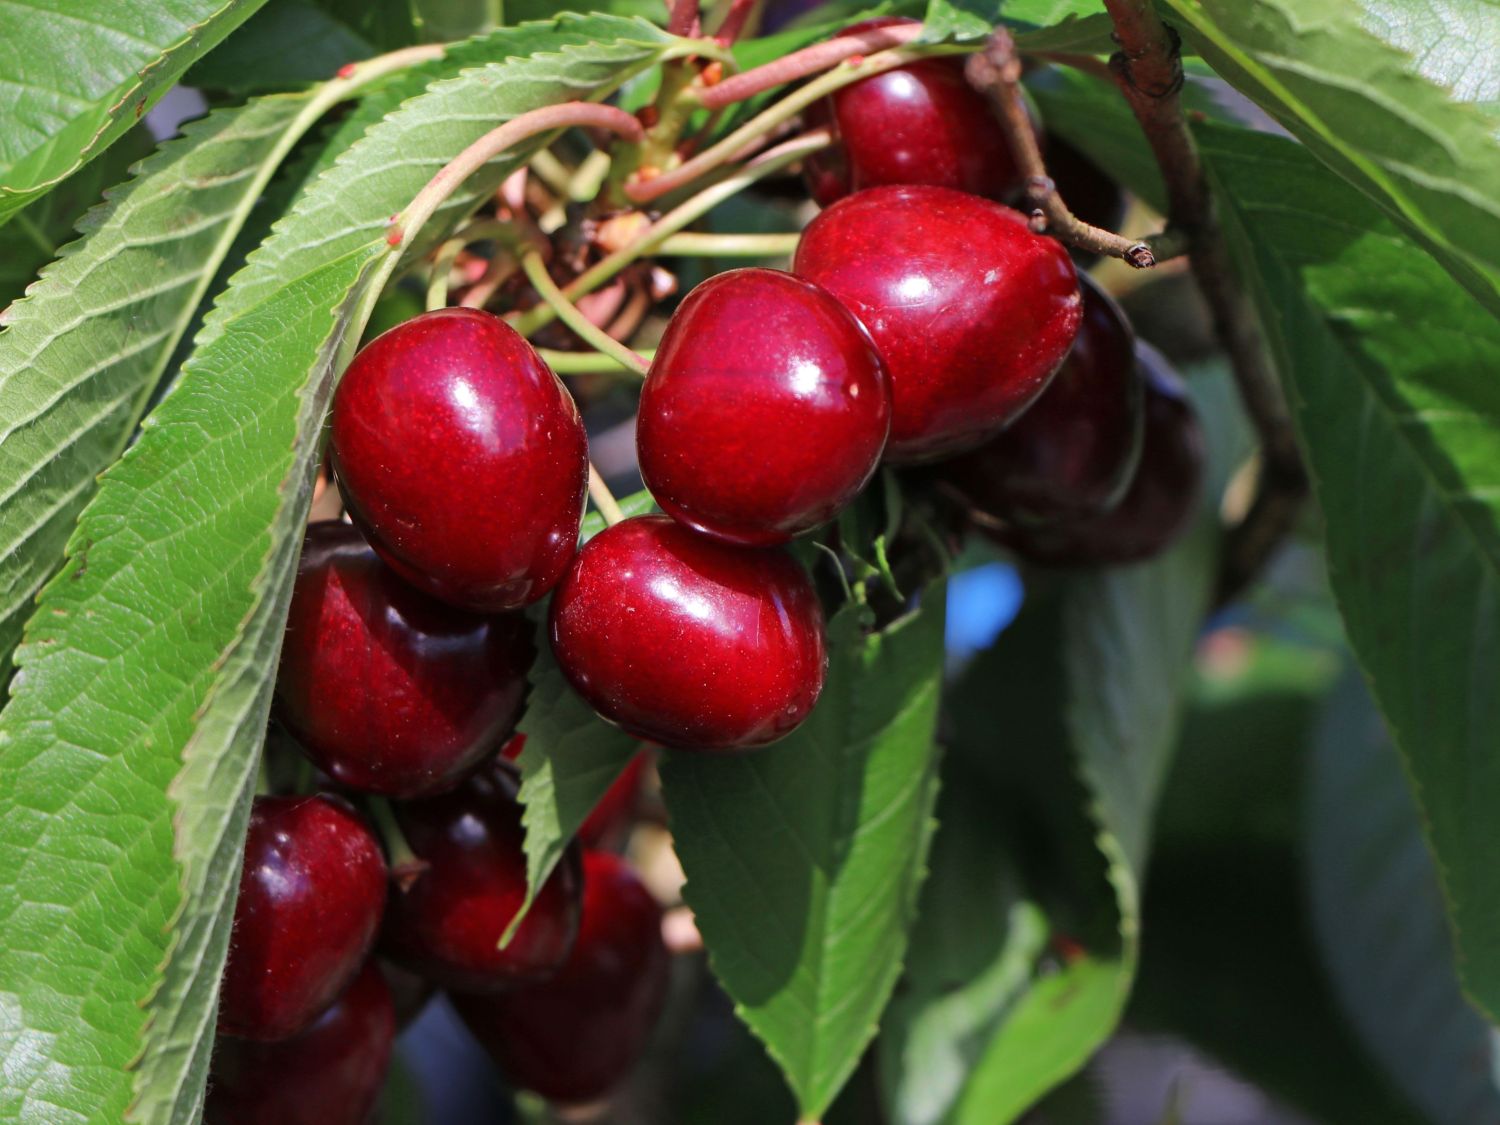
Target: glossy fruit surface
(575, 1036)
(689, 642)
(462, 458)
(918, 124)
(766, 409)
(330, 1074)
(971, 311)
(447, 924)
(1073, 453)
(310, 898)
(608, 824)
(389, 690)
(1161, 499)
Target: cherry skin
(609, 822)
(310, 899)
(918, 124)
(448, 921)
(765, 411)
(574, 1037)
(387, 689)
(1073, 453)
(1161, 499)
(688, 642)
(330, 1074)
(462, 458)
(971, 311)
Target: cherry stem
(996, 72)
(425, 203)
(405, 864)
(1148, 71)
(766, 164)
(588, 363)
(691, 244)
(683, 18)
(551, 171)
(536, 272)
(603, 498)
(800, 64)
(733, 23)
(735, 144)
(442, 266)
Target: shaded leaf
(287, 44)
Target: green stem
(589, 363)
(551, 171)
(692, 244)
(399, 850)
(567, 312)
(442, 266)
(603, 498)
(590, 176)
(768, 163)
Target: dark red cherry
(609, 822)
(1161, 499)
(448, 922)
(462, 458)
(918, 124)
(330, 1074)
(387, 689)
(574, 1037)
(971, 311)
(765, 411)
(686, 641)
(310, 897)
(1073, 453)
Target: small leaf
(74, 80)
(803, 860)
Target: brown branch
(1148, 71)
(996, 71)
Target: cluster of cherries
(923, 325)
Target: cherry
(765, 411)
(686, 641)
(462, 458)
(310, 897)
(572, 1038)
(1161, 499)
(330, 1074)
(388, 690)
(610, 821)
(471, 881)
(918, 124)
(1073, 453)
(971, 310)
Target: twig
(996, 71)
(1148, 71)
(603, 498)
(567, 312)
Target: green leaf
(73, 79)
(1390, 365)
(570, 759)
(636, 504)
(1362, 107)
(1452, 42)
(1378, 920)
(34, 237)
(285, 45)
(149, 661)
(1073, 26)
(803, 860)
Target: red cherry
(572, 1038)
(1162, 497)
(388, 690)
(1073, 453)
(918, 124)
(462, 458)
(765, 411)
(971, 311)
(310, 897)
(689, 642)
(330, 1074)
(447, 924)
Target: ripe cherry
(387, 689)
(448, 922)
(330, 1074)
(572, 1038)
(765, 411)
(310, 898)
(918, 124)
(689, 642)
(609, 822)
(971, 311)
(1161, 499)
(1073, 453)
(462, 458)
